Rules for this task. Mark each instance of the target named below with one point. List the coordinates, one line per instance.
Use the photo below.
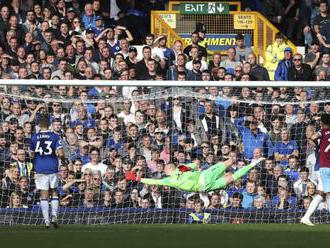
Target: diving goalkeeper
(188, 178)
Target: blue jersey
(44, 145)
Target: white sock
(54, 204)
(45, 209)
(312, 207)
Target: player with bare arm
(189, 178)
(46, 148)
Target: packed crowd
(74, 40)
(109, 131)
(107, 139)
(299, 20)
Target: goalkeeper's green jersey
(200, 181)
(186, 181)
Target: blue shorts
(325, 178)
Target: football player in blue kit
(47, 149)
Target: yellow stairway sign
(244, 21)
(170, 19)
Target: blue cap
(288, 49)
(98, 18)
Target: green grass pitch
(169, 236)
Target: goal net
(113, 135)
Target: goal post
(145, 83)
(137, 128)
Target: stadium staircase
(178, 26)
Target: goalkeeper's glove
(183, 168)
(131, 176)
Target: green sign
(209, 8)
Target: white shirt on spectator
(114, 10)
(204, 65)
(126, 117)
(124, 54)
(157, 52)
(95, 66)
(230, 65)
(127, 91)
(157, 199)
(290, 120)
(177, 119)
(100, 167)
(58, 73)
(21, 119)
(310, 161)
(300, 187)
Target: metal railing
(160, 27)
(262, 34)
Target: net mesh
(140, 130)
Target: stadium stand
(123, 129)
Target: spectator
(88, 201)
(214, 202)
(83, 119)
(312, 58)
(95, 164)
(17, 114)
(230, 63)
(145, 203)
(306, 201)
(236, 187)
(4, 18)
(299, 71)
(209, 122)
(275, 132)
(274, 54)
(119, 201)
(281, 73)
(259, 202)
(195, 74)
(131, 59)
(195, 57)
(283, 200)
(198, 217)
(290, 19)
(324, 65)
(88, 17)
(320, 26)
(215, 62)
(156, 198)
(273, 10)
(202, 53)
(285, 148)
(141, 66)
(292, 170)
(252, 137)
(298, 130)
(28, 197)
(31, 24)
(249, 195)
(179, 67)
(242, 51)
(107, 199)
(25, 167)
(15, 201)
(300, 186)
(236, 201)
